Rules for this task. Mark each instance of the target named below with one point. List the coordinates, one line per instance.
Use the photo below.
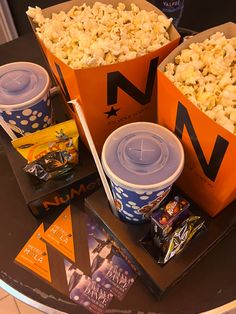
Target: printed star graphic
(112, 112)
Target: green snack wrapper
(181, 237)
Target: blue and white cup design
(137, 206)
(142, 161)
(31, 119)
(25, 104)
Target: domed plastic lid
(22, 83)
(143, 154)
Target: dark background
(198, 15)
(211, 283)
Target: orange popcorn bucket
(208, 176)
(111, 95)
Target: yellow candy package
(50, 152)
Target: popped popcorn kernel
(206, 74)
(90, 36)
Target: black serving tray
(158, 278)
(43, 197)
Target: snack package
(50, 152)
(169, 215)
(173, 225)
(177, 241)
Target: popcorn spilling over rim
(206, 74)
(92, 36)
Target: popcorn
(206, 74)
(93, 36)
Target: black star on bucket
(112, 112)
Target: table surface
(209, 284)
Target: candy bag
(165, 219)
(173, 226)
(177, 241)
(50, 152)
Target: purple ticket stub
(117, 278)
(85, 291)
(108, 268)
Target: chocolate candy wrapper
(173, 225)
(53, 164)
(51, 152)
(168, 216)
(177, 241)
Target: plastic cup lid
(22, 83)
(143, 154)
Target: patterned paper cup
(24, 97)
(142, 161)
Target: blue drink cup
(142, 160)
(25, 104)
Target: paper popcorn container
(208, 176)
(111, 95)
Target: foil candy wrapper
(51, 165)
(173, 225)
(51, 152)
(178, 240)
